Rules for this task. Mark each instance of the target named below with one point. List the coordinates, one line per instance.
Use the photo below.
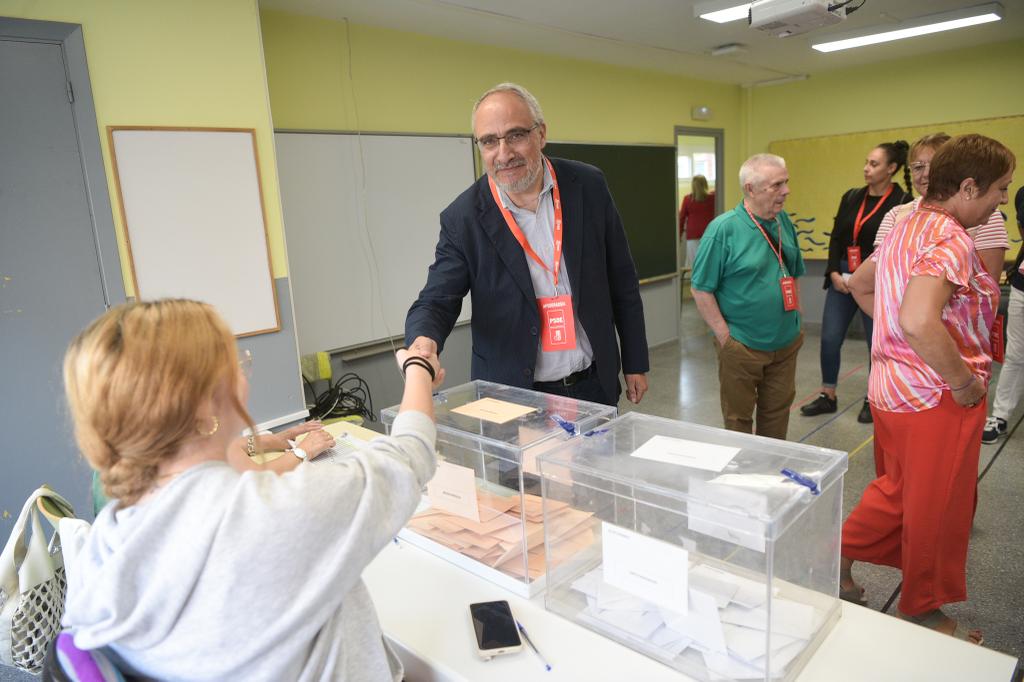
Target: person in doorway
(852, 241)
(746, 287)
(695, 213)
(990, 238)
(934, 306)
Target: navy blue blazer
(476, 253)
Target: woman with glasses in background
(851, 243)
(990, 238)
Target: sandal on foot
(935, 619)
(854, 595)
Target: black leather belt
(573, 378)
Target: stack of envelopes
(497, 538)
(725, 623)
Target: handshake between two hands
(425, 348)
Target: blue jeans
(840, 309)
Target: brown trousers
(757, 378)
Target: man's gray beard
(525, 182)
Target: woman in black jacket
(852, 241)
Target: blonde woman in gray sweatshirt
(200, 571)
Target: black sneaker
(865, 413)
(820, 405)
(994, 427)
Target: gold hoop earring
(216, 425)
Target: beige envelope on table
(492, 410)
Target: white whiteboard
(193, 211)
(359, 244)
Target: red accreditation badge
(853, 257)
(996, 338)
(557, 325)
(790, 299)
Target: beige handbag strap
(18, 565)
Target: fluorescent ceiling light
(935, 23)
(728, 14)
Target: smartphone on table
(495, 629)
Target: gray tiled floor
(684, 385)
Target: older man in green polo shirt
(747, 289)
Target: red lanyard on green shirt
(858, 223)
(776, 251)
(513, 226)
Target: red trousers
(917, 515)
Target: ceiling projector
(784, 18)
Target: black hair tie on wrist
(417, 360)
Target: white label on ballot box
(645, 567)
(453, 489)
(687, 453)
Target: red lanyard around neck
(858, 223)
(513, 226)
(776, 251)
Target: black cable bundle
(340, 401)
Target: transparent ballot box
(702, 554)
(482, 510)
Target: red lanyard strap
(776, 251)
(858, 223)
(513, 226)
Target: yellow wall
(405, 82)
(822, 168)
(180, 63)
(956, 85)
(827, 124)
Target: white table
(423, 605)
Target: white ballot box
(713, 551)
(482, 510)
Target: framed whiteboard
(361, 221)
(192, 205)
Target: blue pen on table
(569, 427)
(522, 631)
(810, 483)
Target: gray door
(50, 281)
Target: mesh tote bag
(32, 583)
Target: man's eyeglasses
(513, 138)
(245, 363)
(920, 167)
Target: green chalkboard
(643, 183)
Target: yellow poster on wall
(821, 169)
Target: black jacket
(846, 216)
(476, 253)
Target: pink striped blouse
(990, 235)
(930, 243)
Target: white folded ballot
(725, 622)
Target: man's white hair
(522, 93)
(752, 170)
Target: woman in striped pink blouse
(934, 304)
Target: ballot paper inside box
(702, 554)
(483, 508)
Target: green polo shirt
(736, 264)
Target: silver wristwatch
(299, 452)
